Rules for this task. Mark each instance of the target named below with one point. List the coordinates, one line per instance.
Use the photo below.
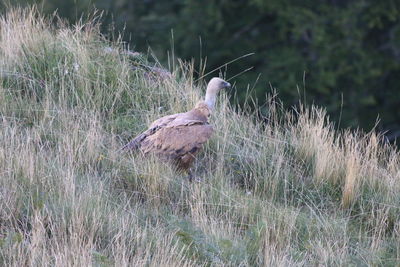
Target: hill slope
(287, 190)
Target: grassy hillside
(288, 190)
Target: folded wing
(176, 137)
(178, 143)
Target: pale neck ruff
(210, 100)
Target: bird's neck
(210, 100)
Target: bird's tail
(134, 144)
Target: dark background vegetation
(340, 54)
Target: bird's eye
(225, 84)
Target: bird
(177, 138)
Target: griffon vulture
(178, 137)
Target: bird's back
(176, 137)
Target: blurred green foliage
(340, 54)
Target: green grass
(288, 190)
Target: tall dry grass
(283, 190)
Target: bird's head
(213, 87)
(216, 84)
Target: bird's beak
(227, 85)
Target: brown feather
(176, 137)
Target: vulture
(178, 138)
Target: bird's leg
(190, 175)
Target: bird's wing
(154, 127)
(176, 141)
(195, 116)
(164, 121)
(173, 120)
